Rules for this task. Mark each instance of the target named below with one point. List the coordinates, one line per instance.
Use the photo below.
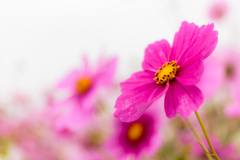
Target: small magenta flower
(83, 86)
(174, 71)
(140, 138)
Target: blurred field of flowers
(61, 65)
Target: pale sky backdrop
(41, 41)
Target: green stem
(206, 135)
(199, 138)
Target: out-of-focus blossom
(230, 59)
(212, 77)
(233, 108)
(5, 133)
(83, 86)
(34, 138)
(140, 138)
(218, 10)
(90, 141)
(174, 71)
(6, 128)
(231, 64)
(228, 152)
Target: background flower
(83, 87)
(140, 138)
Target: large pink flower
(174, 71)
(83, 86)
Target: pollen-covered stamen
(167, 72)
(83, 84)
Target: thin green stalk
(199, 138)
(206, 135)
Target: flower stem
(198, 137)
(206, 135)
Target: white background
(40, 41)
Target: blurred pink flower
(140, 138)
(83, 86)
(180, 70)
(34, 138)
(231, 60)
(233, 109)
(218, 10)
(6, 128)
(212, 77)
(228, 151)
(90, 140)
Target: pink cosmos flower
(212, 78)
(218, 10)
(174, 71)
(140, 138)
(83, 86)
(228, 151)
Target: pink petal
(182, 99)
(137, 79)
(212, 77)
(106, 71)
(156, 55)
(70, 80)
(192, 42)
(191, 74)
(137, 97)
(74, 114)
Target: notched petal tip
(192, 42)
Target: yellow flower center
(167, 72)
(135, 131)
(83, 84)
